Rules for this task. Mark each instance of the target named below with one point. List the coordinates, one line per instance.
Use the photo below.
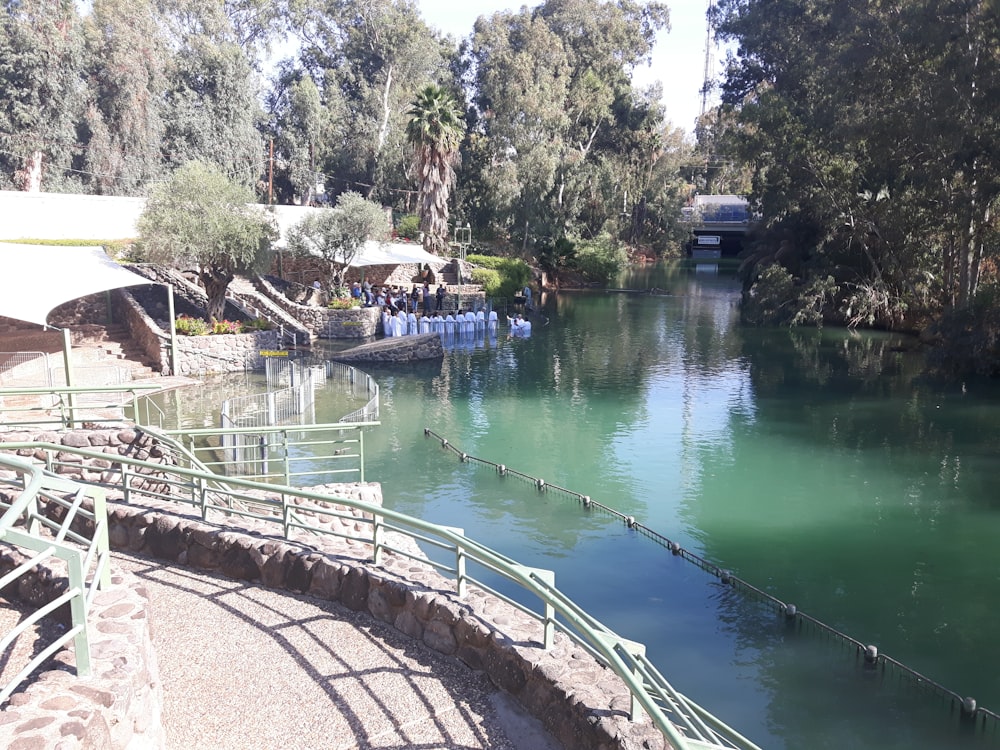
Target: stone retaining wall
(582, 704)
(196, 355)
(324, 322)
(395, 349)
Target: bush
(599, 259)
(489, 279)
(513, 274)
(223, 327)
(408, 227)
(257, 324)
(191, 326)
(344, 303)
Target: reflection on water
(819, 466)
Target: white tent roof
(38, 278)
(393, 253)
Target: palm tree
(434, 131)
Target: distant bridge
(718, 225)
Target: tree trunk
(216, 282)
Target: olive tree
(201, 219)
(338, 234)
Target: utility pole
(270, 173)
(709, 58)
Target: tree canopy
(203, 220)
(338, 234)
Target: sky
(678, 58)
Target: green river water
(822, 467)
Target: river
(820, 466)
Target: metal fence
(27, 524)
(684, 724)
(25, 368)
(867, 655)
(68, 407)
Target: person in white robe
(411, 324)
(386, 321)
(449, 325)
(480, 320)
(470, 323)
(494, 322)
(425, 324)
(525, 328)
(515, 326)
(399, 324)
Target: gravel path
(247, 667)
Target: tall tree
(41, 48)
(435, 132)
(869, 126)
(203, 219)
(368, 59)
(552, 95)
(126, 63)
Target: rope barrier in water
(871, 657)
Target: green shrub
(223, 327)
(489, 279)
(257, 324)
(408, 227)
(344, 303)
(600, 259)
(191, 326)
(513, 274)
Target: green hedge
(512, 274)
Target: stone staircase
(111, 346)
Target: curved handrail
(623, 657)
(26, 526)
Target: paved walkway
(247, 667)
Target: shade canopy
(38, 278)
(393, 254)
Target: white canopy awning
(393, 253)
(38, 278)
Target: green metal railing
(335, 450)
(683, 724)
(65, 406)
(28, 526)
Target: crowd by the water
(422, 311)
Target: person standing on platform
(426, 295)
(439, 297)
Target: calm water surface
(819, 466)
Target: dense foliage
(871, 129)
(527, 130)
(203, 220)
(338, 234)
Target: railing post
(548, 577)
(101, 534)
(78, 611)
(126, 484)
(378, 539)
(361, 451)
(462, 582)
(288, 469)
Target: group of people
(397, 299)
(520, 327)
(401, 323)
